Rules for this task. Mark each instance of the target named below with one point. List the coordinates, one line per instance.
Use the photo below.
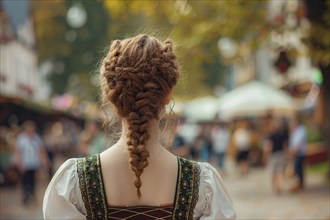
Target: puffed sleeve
(62, 199)
(214, 201)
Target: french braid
(137, 75)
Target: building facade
(19, 73)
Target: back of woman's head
(138, 74)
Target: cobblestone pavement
(251, 195)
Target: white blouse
(63, 198)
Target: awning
(24, 110)
(255, 99)
(201, 109)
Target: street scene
(252, 197)
(241, 85)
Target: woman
(137, 78)
(242, 142)
(276, 145)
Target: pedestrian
(275, 145)
(137, 178)
(30, 156)
(242, 141)
(220, 140)
(51, 144)
(180, 147)
(202, 145)
(98, 140)
(84, 140)
(297, 150)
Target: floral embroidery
(187, 189)
(90, 182)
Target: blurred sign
(283, 63)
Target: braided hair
(137, 75)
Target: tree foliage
(74, 52)
(195, 27)
(319, 15)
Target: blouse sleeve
(62, 199)
(214, 201)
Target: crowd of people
(277, 144)
(274, 142)
(29, 148)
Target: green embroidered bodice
(93, 193)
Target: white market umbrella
(254, 99)
(201, 109)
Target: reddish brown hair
(137, 75)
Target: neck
(153, 144)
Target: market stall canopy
(255, 99)
(201, 109)
(23, 110)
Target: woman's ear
(168, 97)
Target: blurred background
(253, 72)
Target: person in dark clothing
(180, 148)
(50, 142)
(297, 149)
(276, 144)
